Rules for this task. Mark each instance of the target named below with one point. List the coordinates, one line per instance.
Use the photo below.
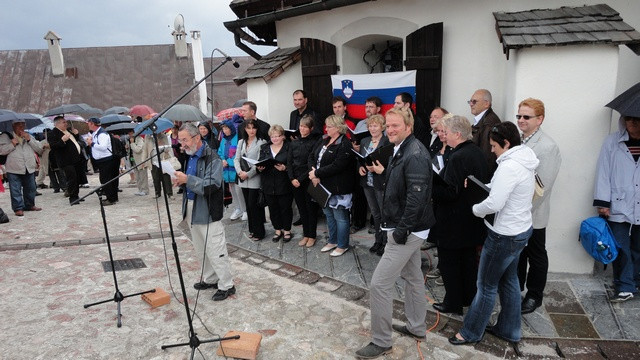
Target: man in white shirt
(101, 151)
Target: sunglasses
(472, 102)
(526, 117)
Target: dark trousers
(535, 254)
(57, 178)
(459, 271)
(280, 211)
(255, 213)
(358, 208)
(109, 169)
(72, 176)
(159, 178)
(308, 211)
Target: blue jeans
(23, 191)
(497, 273)
(338, 224)
(627, 265)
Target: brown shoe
(19, 213)
(311, 242)
(303, 242)
(34, 208)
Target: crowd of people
(416, 197)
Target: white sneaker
(236, 214)
(140, 193)
(244, 216)
(622, 297)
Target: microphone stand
(117, 297)
(194, 342)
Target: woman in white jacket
(512, 188)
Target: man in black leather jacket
(407, 216)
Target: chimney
(179, 37)
(55, 53)
(198, 68)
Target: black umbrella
(114, 119)
(627, 103)
(7, 120)
(117, 110)
(121, 128)
(184, 112)
(80, 109)
(239, 103)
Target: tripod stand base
(194, 342)
(117, 298)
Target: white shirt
(478, 117)
(101, 145)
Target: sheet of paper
(168, 169)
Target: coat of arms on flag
(347, 88)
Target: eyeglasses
(183, 141)
(526, 117)
(472, 102)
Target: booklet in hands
(319, 193)
(264, 162)
(381, 154)
(478, 191)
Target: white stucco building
(574, 81)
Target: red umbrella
(140, 110)
(228, 113)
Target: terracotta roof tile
(565, 26)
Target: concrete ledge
(39, 245)
(13, 247)
(92, 241)
(65, 243)
(271, 265)
(288, 270)
(306, 277)
(328, 284)
(350, 292)
(138, 237)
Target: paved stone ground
(305, 304)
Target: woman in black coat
(458, 232)
(298, 171)
(275, 184)
(332, 165)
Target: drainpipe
(236, 26)
(198, 68)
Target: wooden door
(318, 64)
(424, 54)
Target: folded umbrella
(627, 103)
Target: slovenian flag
(357, 88)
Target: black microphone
(229, 58)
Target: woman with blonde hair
(331, 164)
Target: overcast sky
(86, 23)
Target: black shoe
(276, 237)
(42, 186)
(373, 351)
(66, 193)
(490, 330)
(455, 341)
(56, 191)
(402, 329)
(354, 229)
(203, 285)
(180, 190)
(38, 193)
(529, 305)
(380, 251)
(287, 237)
(298, 222)
(374, 248)
(107, 202)
(371, 230)
(445, 309)
(72, 200)
(223, 294)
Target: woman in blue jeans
(509, 201)
(332, 165)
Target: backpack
(597, 239)
(118, 150)
(3, 158)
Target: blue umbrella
(7, 120)
(162, 123)
(114, 119)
